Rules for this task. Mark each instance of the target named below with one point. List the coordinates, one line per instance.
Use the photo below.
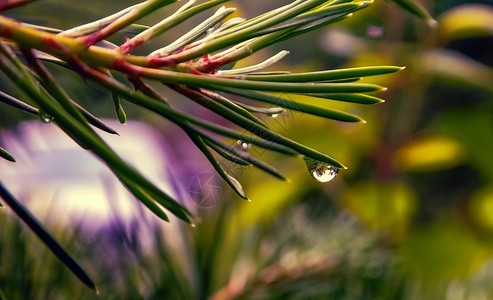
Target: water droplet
(46, 118)
(242, 145)
(274, 115)
(325, 173)
(322, 172)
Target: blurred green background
(412, 217)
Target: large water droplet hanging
(322, 172)
(46, 118)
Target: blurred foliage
(412, 217)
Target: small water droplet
(322, 172)
(46, 118)
(274, 115)
(242, 145)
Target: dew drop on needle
(325, 173)
(322, 172)
(242, 145)
(46, 118)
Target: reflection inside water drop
(321, 171)
(274, 115)
(325, 174)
